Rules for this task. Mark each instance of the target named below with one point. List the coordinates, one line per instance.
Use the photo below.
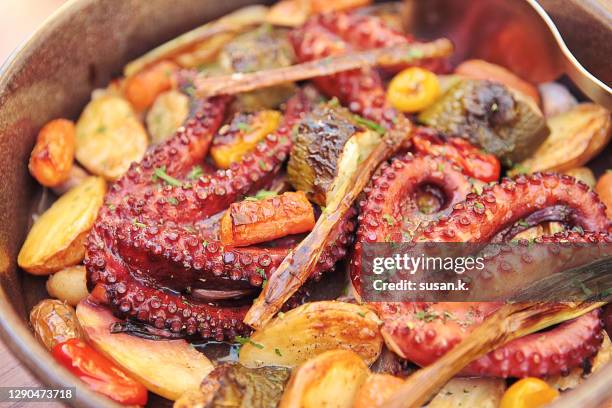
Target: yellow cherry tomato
(413, 89)
(529, 392)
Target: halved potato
(168, 112)
(331, 379)
(166, 367)
(68, 285)
(576, 136)
(376, 389)
(311, 329)
(470, 392)
(57, 238)
(109, 137)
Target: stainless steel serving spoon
(517, 34)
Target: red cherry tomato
(474, 162)
(99, 373)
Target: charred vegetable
(311, 329)
(233, 385)
(99, 373)
(576, 136)
(53, 153)
(260, 49)
(329, 144)
(491, 116)
(57, 238)
(166, 367)
(254, 221)
(331, 379)
(54, 322)
(241, 135)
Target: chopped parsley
(172, 200)
(245, 340)
(261, 272)
(522, 223)
(160, 173)
(441, 168)
(520, 169)
(138, 224)
(261, 195)
(426, 315)
(204, 243)
(362, 314)
(480, 206)
(415, 54)
(112, 207)
(195, 172)
(389, 219)
(245, 127)
(262, 164)
(378, 128)
(278, 352)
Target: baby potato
(311, 329)
(376, 389)
(168, 112)
(54, 322)
(57, 238)
(576, 136)
(331, 379)
(109, 137)
(53, 153)
(68, 285)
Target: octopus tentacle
(155, 261)
(389, 212)
(481, 217)
(424, 340)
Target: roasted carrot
(142, 88)
(53, 153)
(252, 221)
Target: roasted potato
(583, 174)
(604, 190)
(53, 153)
(57, 238)
(331, 379)
(470, 392)
(168, 112)
(376, 389)
(311, 329)
(68, 285)
(109, 137)
(576, 136)
(166, 367)
(54, 322)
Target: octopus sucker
(152, 256)
(501, 205)
(424, 339)
(421, 331)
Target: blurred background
(18, 18)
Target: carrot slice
(251, 222)
(142, 88)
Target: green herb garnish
(160, 173)
(245, 340)
(261, 195)
(378, 128)
(195, 172)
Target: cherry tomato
(99, 373)
(529, 392)
(474, 162)
(413, 89)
